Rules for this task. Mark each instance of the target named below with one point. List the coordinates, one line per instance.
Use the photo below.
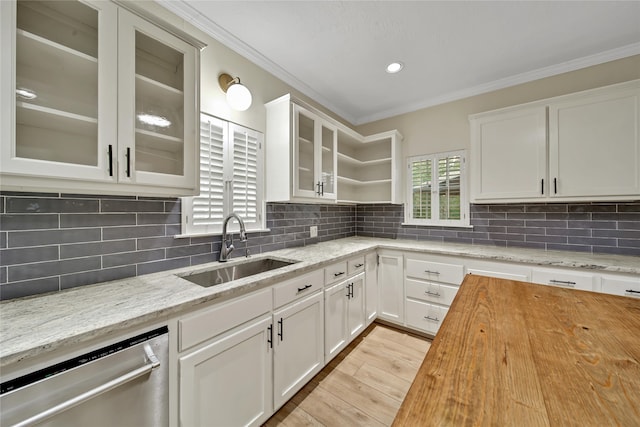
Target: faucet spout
(226, 250)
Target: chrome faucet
(226, 250)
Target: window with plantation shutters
(230, 179)
(436, 190)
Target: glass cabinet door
(328, 165)
(305, 183)
(156, 106)
(64, 119)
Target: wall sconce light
(238, 96)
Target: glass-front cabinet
(314, 156)
(95, 97)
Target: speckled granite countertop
(34, 325)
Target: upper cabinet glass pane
(159, 107)
(328, 174)
(57, 82)
(305, 146)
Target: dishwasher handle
(153, 363)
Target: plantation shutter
(246, 174)
(449, 183)
(421, 187)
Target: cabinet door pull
(435, 319)
(433, 294)
(322, 188)
(351, 290)
(542, 186)
(359, 265)
(128, 155)
(555, 185)
(338, 274)
(632, 292)
(110, 160)
(304, 288)
(270, 336)
(280, 329)
(563, 282)
(318, 191)
(437, 273)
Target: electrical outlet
(313, 231)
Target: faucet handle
(243, 236)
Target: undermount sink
(235, 271)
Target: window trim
(187, 227)
(464, 221)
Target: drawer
(565, 279)
(295, 288)
(499, 274)
(355, 265)
(430, 291)
(626, 286)
(435, 271)
(335, 272)
(208, 323)
(424, 316)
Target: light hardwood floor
(362, 386)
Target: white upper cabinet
(96, 98)
(578, 147)
(311, 157)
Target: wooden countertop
(512, 353)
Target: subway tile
(41, 205)
(561, 247)
(611, 225)
(172, 229)
(158, 218)
(47, 237)
(182, 251)
(622, 234)
(10, 222)
(546, 223)
(546, 239)
(96, 220)
(128, 258)
(589, 208)
(167, 242)
(119, 233)
(584, 232)
(497, 243)
(506, 236)
(28, 287)
(28, 255)
(164, 265)
(96, 248)
(629, 207)
(115, 205)
(3, 239)
(616, 250)
(527, 215)
(3, 274)
(527, 230)
(593, 241)
(629, 243)
(561, 207)
(628, 225)
(205, 258)
(530, 245)
(506, 208)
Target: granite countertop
(34, 325)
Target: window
(231, 164)
(436, 190)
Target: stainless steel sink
(227, 273)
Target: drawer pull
(435, 319)
(563, 282)
(437, 273)
(359, 265)
(632, 293)
(338, 274)
(433, 294)
(304, 288)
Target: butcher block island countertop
(519, 354)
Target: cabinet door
(59, 71)
(594, 144)
(328, 159)
(508, 154)
(228, 382)
(336, 330)
(356, 311)
(298, 346)
(304, 159)
(390, 287)
(157, 120)
(371, 286)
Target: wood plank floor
(362, 386)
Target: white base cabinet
(344, 314)
(229, 382)
(391, 286)
(371, 286)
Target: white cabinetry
(311, 157)
(298, 335)
(96, 98)
(563, 278)
(300, 153)
(391, 286)
(431, 284)
(501, 270)
(620, 285)
(228, 380)
(368, 167)
(588, 148)
(345, 314)
(371, 286)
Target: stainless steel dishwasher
(124, 384)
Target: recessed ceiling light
(394, 67)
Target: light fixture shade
(239, 97)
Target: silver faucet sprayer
(226, 250)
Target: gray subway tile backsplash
(50, 242)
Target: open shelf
(53, 119)
(356, 162)
(352, 181)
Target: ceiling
(336, 52)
